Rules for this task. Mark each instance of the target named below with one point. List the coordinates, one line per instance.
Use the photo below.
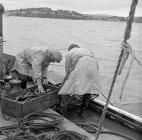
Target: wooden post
(1, 42)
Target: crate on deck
(11, 107)
(54, 78)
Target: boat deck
(65, 124)
(112, 128)
(110, 125)
(89, 116)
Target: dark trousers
(65, 102)
(23, 78)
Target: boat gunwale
(132, 121)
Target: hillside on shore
(64, 14)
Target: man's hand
(40, 87)
(4, 71)
(41, 90)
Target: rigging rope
(127, 50)
(132, 52)
(130, 19)
(127, 35)
(126, 78)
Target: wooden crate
(18, 110)
(54, 78)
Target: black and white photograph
(70, 70)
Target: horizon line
(74, 11)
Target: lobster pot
(11, 107)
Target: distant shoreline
(65, 14)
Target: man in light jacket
(82, 77)
(33, 63)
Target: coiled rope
(50, 130)
(31, 124)
(70, 135)
(41, 119)
(127, 35)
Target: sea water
(102, 37)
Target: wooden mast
(1, 41)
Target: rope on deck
(127, 35)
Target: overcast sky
(113, 7)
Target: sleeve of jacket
(68, 63)
(36, 66)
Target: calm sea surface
(102, 37)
